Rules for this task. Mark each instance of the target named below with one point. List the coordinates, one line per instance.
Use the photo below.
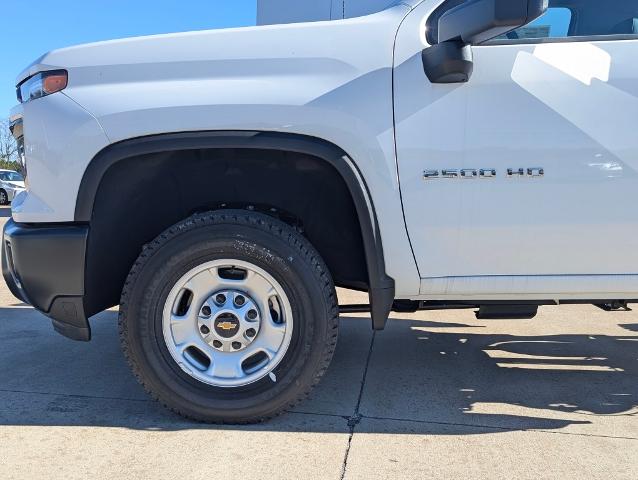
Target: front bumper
(44, 267)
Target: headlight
(42, 84)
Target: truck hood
(299, 78)
(129, 50)
(270, 42)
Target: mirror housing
(472, 23)
(477, 21)
(448, 62)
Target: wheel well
(140, 196)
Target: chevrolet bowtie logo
(226, 325)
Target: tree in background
(9, 156)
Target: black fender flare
(381, 286)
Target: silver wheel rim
(231, 341)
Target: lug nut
(251, 315)
(220, 299)
(236, 345)
(239, 300)
(206, 311)
(217, 344)
(204, 329)
(250, 333)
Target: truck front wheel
(229, 317)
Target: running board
(507, 312)
(489, 310)
(407, 306)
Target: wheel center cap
(229, 320)
(226, 325)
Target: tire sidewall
(195, 246)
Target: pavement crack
(354, 420)
(72, 395)
(356, 417)
(319, 414)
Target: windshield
(11, 177)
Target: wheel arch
(380, 285)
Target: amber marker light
(55, 82)
(42, 84)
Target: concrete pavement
(437, 394)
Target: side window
(580, 18)
(552, 24)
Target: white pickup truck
(218, 185)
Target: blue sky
(36, 26)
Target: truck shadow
(501, 380)
(421, 379)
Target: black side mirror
(472, 23)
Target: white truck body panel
(566, 107)
(61, 139)
(529, 287)
(260, 78)
(559, 106)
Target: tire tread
(265, 223)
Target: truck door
(525, 178)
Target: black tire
(4, 198)
(239, 235)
